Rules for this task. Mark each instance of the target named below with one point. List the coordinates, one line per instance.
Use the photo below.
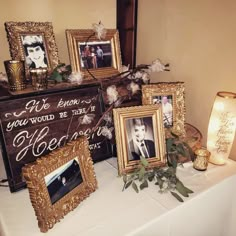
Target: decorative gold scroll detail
(177, 90)
(76, 36)
(47, 213)
(17, 29)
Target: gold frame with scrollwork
(177, 91)
(45, 29)
(121, 116)
(49, 212)
(87, 36)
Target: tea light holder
(15, 71)
(39, 78)
(202, 158)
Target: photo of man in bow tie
(141, 143)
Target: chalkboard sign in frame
(35, 124)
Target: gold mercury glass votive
(15, 71)
(39, 78)
(202, 157)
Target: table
(211, 210)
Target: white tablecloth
(211, 210)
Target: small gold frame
(174, 90)
(52, 196)
(77, 41)
(124, 131)
(16, 31)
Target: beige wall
(198, 39)
(71, 14)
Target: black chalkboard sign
(34, 125)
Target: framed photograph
(171, 97)
(139, 132)
(33, 42)
(59, 181)
(102, 58)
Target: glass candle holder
(15, 71)
(221, 129)
(202, 158)
(39, 78)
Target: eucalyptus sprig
(178, 148)
(60, 73)
(164, 178)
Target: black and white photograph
(140, 138)
(95, 55)
(35, 51)
(61, 181)
(167, 108)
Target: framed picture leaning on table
(33, 42)
(171, 97)
(94, 57)
(59, 181)
(139, 132)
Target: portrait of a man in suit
(140, 136)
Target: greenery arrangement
(165, 178)
(60, 73)
(177, 148)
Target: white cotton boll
(3, 77)
(76, 77)
(157, 66)
(123, 70)
(145, 77)
(107, 118)
(134, 87)
(107, 132)
(112, 94)
(87, 119)
(100, 30)
(138, 75)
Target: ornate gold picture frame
(139, 132)
(58, 182)
(33, 42)
(94, 57)
(171, 96)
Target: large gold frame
(17, 29)
(176, 89)
(120, 116)
(47, 213)
(75, 36)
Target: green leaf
(125, 178)
(151, 176)
(180, 149)
(191, 153)
(171, 170)
(186, 189)
(143, 185)
(176, 195)
(159, 182)
(128, 184)
(181, 189)
(56, 76)
(174, 135)
(135, 187)
(169, 144)
(141, 173)
(144, 161)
